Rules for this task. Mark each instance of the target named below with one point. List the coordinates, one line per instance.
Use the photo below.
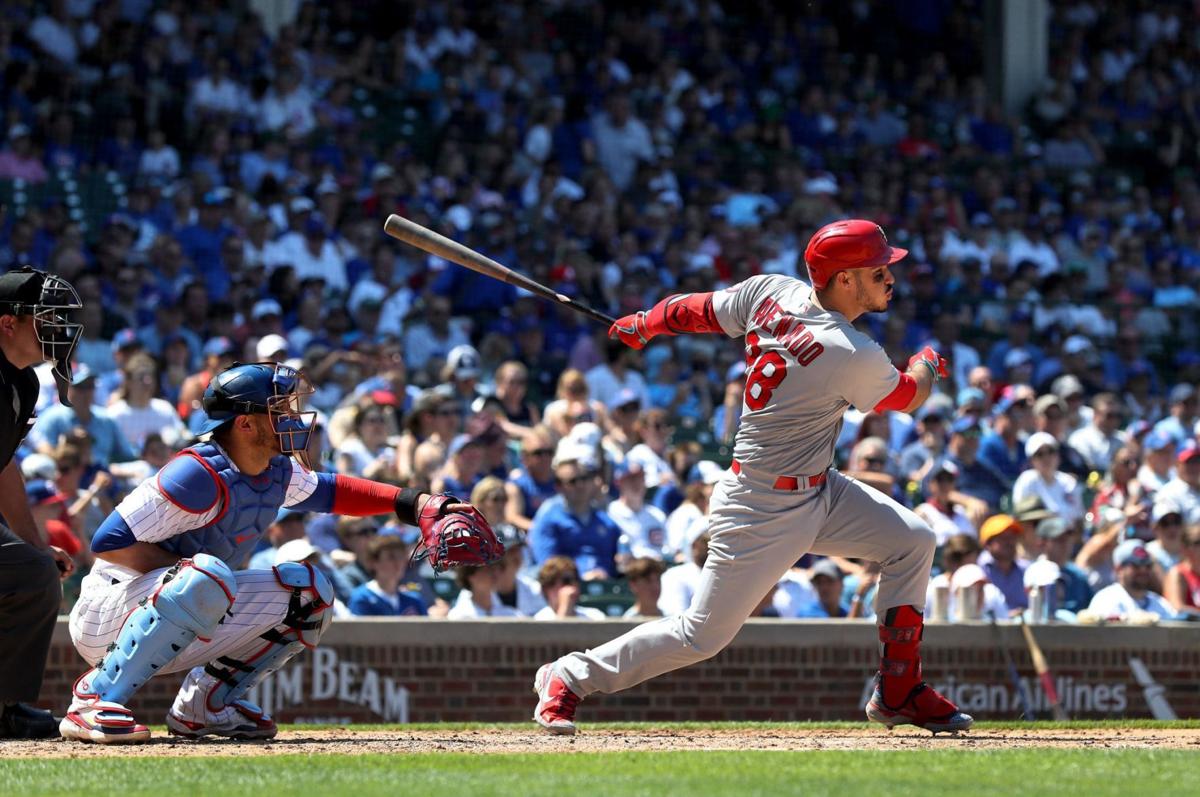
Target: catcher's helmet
(847, 244)
(270, 389)
(50, 299)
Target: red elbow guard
(900, 397)
(686, 312)
(361, 497)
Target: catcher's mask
(270, 389)
(50, 299)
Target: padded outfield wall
(417, 670)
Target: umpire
(35, 325)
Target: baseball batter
(806, 364)
(166, 594)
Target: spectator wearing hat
(108, 441)
(1059, 491)
(1184, 489)
(219, 353)
(644, 576)
(622, 433)
(570, 524)
(432, 338)
(1068, 388)
(1181, 586)
(679, 583)
(959, 551)
(201, 241)
(690, 518)
(287, 526)
(1000, 449)
(1179, 425)
(19, 160)
(383, 596)
(826, 580)
(461, 374)
(1050, 416)
(999, 536)
(125, 344)
(918, 457)
(484, 427)
(943, 514)
(1166, 524)
(303, 550)
(1132, 594)
(643, 527)
(1055, 541)
(1017, 338)
(1158, 461)
(1098, 441)
(463, 468)
(531, 484)
(559, 580)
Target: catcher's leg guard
(210, 700)
(901, 697)
(189, 603)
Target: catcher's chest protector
(248, 506)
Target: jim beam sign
(322, 676)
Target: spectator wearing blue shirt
(108, 443)
(287, 526)
(532, 484)
(826, 581)
(570, 525)
(201, 241)
(1179, 424)
(999, 535)
(1000, 449)
(975, 477)
(387, 559)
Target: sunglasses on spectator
(373, 419)
(1127, 463)
(445, 412)
(875, 461)
(1045, 452)
(583, 477)
(496, 497)
(540, 452)
(582, 417)
(567, 581)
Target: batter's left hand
(632, 330)
(938, 365)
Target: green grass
(979, 773)
(529, 727)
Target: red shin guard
(900, 653)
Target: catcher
(166, 593)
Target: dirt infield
(357, 742)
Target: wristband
(406, 505)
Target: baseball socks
(901, 696)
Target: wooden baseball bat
(434, 243)
(1043, 671)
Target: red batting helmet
(846, 244)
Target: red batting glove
(632, 330)
(936, 363)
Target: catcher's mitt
(453, 538)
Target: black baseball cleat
(19, 721)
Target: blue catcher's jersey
(201, 503)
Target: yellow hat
(996, 525)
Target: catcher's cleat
(102, 722)
(240, 720)
(923, 707)
(556, 702)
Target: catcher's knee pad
(308, 615)
(190, 602)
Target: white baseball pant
(758, 533)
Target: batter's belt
(790, 482)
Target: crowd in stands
(621, 155)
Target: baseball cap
(1031, 509)
(219, 347)
(289, 514)
(1042, 573)
(705, 471)
(1163, 508)
(1016, 358)
(464, 361)
(301, 204)
(997, 525)
(968, 395)
(965, 425)
(314, 227)
(81, 373)
(1039, 440)
(270, 344)
(1052, 528)
(382, 171)
(43, 491)
(628, 467)
(295, 551)
(825, 567)
(624, 397)
(484, 427)
(1047, 402)
(1181, 393)
(266, 307)
(125, 339)
(1188, 451)
(931, 413)
(944, 466)
(1158, 439)
(459, 443)
(39, 466)
(1076, 344)
(1066, 386)
(1131, 552)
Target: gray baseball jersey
(805, 366)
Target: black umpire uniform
(30, 590)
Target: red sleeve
(687, 312)
(362, 497)
(900, 397)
